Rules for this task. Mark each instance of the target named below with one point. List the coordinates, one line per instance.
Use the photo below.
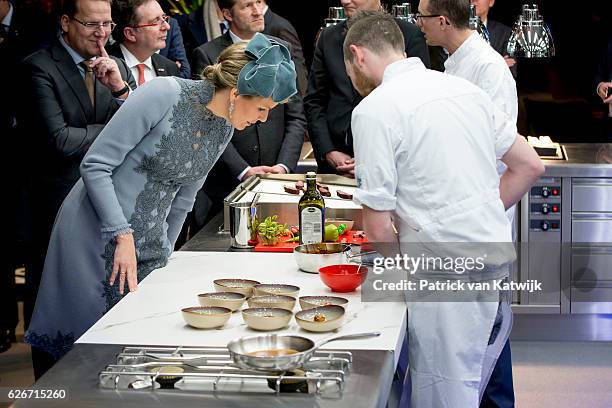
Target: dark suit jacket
(175, 49)
(162, 65)
(499, 34)
(193, 31)
(59, 121)
(28, 32)
(330, 97)
(280, 27)
(277, 141)
(604, 69)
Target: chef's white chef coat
(476, 61)
(479, 63)
(425, 148)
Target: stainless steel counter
(583, 160)
(368, 385)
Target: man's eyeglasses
(96, 25)
(159, 22)
(417, 16)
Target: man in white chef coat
(472, 58)
(425, 151)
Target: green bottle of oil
(311, 212)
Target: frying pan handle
(360, 254)
(349, 337)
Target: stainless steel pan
(241, 348)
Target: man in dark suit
(330, 97)
(499, 33)
(22, 31)
(175, 48)
(280, 27)
(270, 147)
(200, 26)
(141, 31)
(70, 91)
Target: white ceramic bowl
(309, 302)
(206, 317)
(281, 301)
(276, 289)
(242, 286)
(266, 319)
(331, 317)
(232, 300)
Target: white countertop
(152, 316)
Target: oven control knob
(545, 208)
(544, 225)
(545, 192)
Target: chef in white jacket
(425, 150)
(472, 58)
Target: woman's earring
(231, 110)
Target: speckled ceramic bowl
(242, 286)
(206, 317)
(281, 301)
(321, 319)
(308, 302)
(266, 318)
(276, 289)
(232, 300)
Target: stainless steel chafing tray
(266, 193)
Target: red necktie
(141, 77)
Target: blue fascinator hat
(271, 73)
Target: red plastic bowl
(343, 278)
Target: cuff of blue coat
(112, 232)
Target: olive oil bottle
(311, 212)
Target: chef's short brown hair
(456, 11)
(375, 30)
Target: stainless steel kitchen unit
(566, 235)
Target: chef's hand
(347, 169)
(257, 170)
(602, 91)
(511, 61)
(278, 169)
(124, 263)
(107, 71)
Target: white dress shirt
(132, 63)
(9, 16)
(425, 147)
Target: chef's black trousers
(500, 389)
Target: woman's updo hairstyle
(224, 74)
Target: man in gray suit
(263, 148)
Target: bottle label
(312, 225)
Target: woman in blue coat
(139, 180)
